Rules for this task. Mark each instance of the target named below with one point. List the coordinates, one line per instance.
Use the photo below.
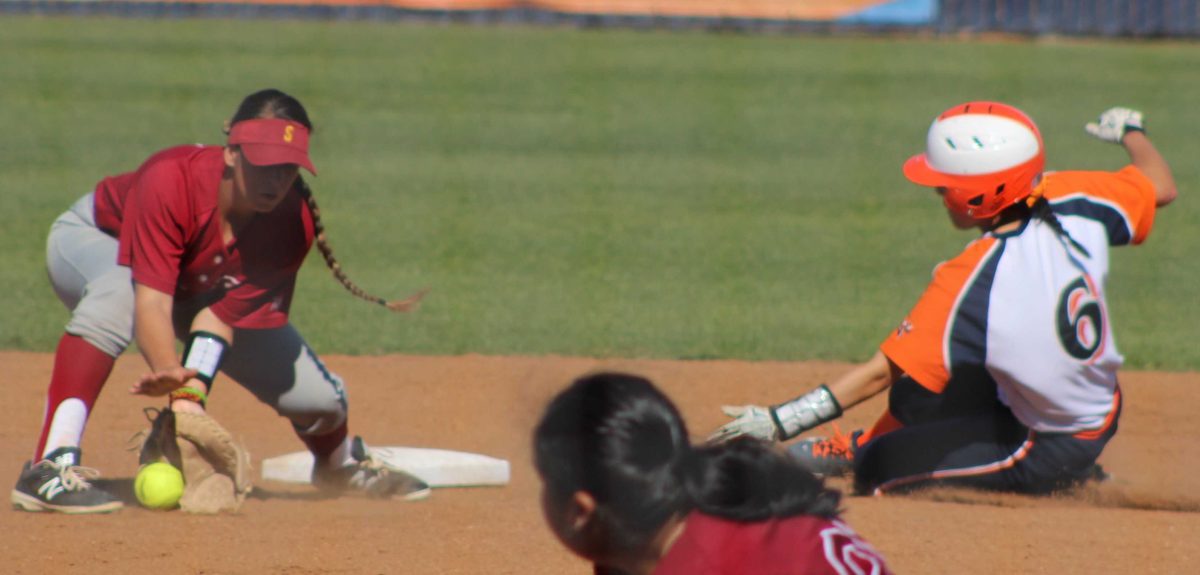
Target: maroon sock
(322, 446)
(80, 370)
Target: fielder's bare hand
(162, 382)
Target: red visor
(272, 141)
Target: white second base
(437, 467)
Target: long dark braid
(403, 305)
(1041, 209)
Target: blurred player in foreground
(203, 244)
(624, 488)
(1004, 374)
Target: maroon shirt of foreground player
(798, 545)
(624, 488)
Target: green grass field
(601, 193)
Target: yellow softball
(158, 486)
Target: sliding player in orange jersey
(1004, 374)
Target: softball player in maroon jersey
(624, 488)
(1004, 374)
(202, 243)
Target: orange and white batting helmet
(987, 156)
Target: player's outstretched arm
(821, 405)
(1125, 126)
(865, 380)
(155, 336)
(191, 376)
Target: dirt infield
(1147, 520)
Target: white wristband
(806, 412)
(203, 353)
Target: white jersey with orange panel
(1029, 307)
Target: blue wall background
(1146, 18)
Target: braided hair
(405, 304)
(272, 103)
(1036, 205)
(1042, 210)
(620, 439)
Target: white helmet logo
(974, 144)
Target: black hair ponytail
(1037, 206)
(1042, 210)
(620, 439)
(746, 479)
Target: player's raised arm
(1125, 126)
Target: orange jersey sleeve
(918, 345)
(1124, 200)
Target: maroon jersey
(165, 218)
(799, 545)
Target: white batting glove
(783, 421)
(1114, 123)
(752, 420)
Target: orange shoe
(827, 456)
